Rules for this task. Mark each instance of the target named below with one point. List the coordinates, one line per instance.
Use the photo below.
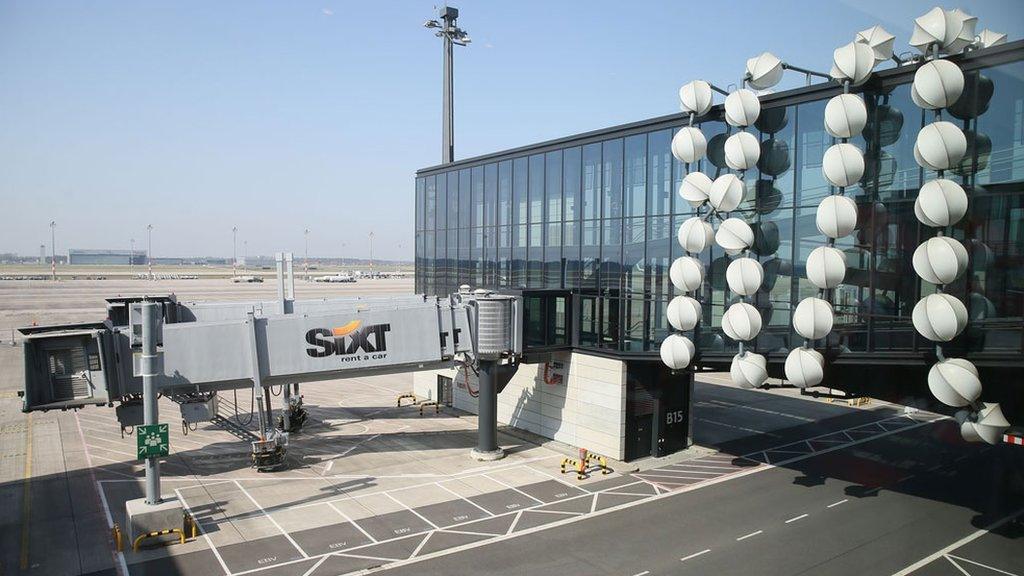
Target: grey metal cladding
(198, 353)
(298, 345)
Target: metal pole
(149, 250)
(150, 408)
(257, 378)
(53, 249)
(487, 409)
(245, 255)
(306, 260)
(234, 251)
(131, 257)
(447, 128)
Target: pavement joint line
(418, 515)
(795, 518)
(199, 527)
(751, 535)
(461, 497)
(836, 503)
(702, 552)
(963, 541)
(352, 522)
(976, 563)
(272, 521)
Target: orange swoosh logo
(347, 328)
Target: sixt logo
(347, 339)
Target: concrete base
(142, 518)
(487, 456)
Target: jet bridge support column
(150, 407)
(487, 414)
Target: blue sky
(195, 116)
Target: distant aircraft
(335, 278)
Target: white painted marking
(327, 468)
(836, 503)
(272, 521)
(645, 475)
(734, 427)
(418, 515)
(704, 551)
(199, 527)
(751, 535)
(351, 521)
(316, 565)
(686, 465)
(460, 496)
(986, 566)
(766, 411)
(794, 519)
(644, 573)
(507, 485)
(421, 544)
(957, 566)
(120, 563)
(514, 522)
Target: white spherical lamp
(742, 108)
(676, 351)
(826, 267)
(988, 427)
(696, 97)
(764, 71)
(744, 276)
(843, 164)
(689, 145)
(695, 188)
(940, 260)
(686, 273)
(853, 62)
(836, 216)
(695, 235)
(940, 203)
(805, 367)
(734, 235)
(845, 116)
(940, 146)
(742, 151)
(880, 41)
(748, 370)
(938, 84)
(726, 193)
(954, 382)
(683, 313)
(741, 322)
(939, 317)
(812, 318)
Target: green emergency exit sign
(153, 441)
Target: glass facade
(595, 218)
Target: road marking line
(316, 565)
(418, 515)
(681, 465)
(421, 544)
(351, 521)
(672, 477)
(119, 560)
(199, 527)
(272, 521)
(957, 566)
(507, 485)
(26, 499)
(836, 503)
(704, 551)
(986, 566)
(752, 534)
(797, 518)
(644, 573)
(766, 411)
(514, 522)
(461, 497)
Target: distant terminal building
(78, 256)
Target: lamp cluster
(940, 204)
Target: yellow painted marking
(26, 505)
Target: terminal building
(584, 228)
(78, 256)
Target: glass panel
(609, 312)
(464, 210)
(611, 255)
(571, 254)
(633, 255)
(453, 200)
(536, 192)
(430, 206)
(636, 315)
(635, 175)
(442, 201)
(591, 181)
(505, 193)
(478, 196)
(520, 199)
(490, 194)
(774, 187)
(590, 253)
(659, 243)
(571, 182)
(659, 176)
(420, 186)
(611, 179)
(588, 322)
(553, 187)
(504, 259)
